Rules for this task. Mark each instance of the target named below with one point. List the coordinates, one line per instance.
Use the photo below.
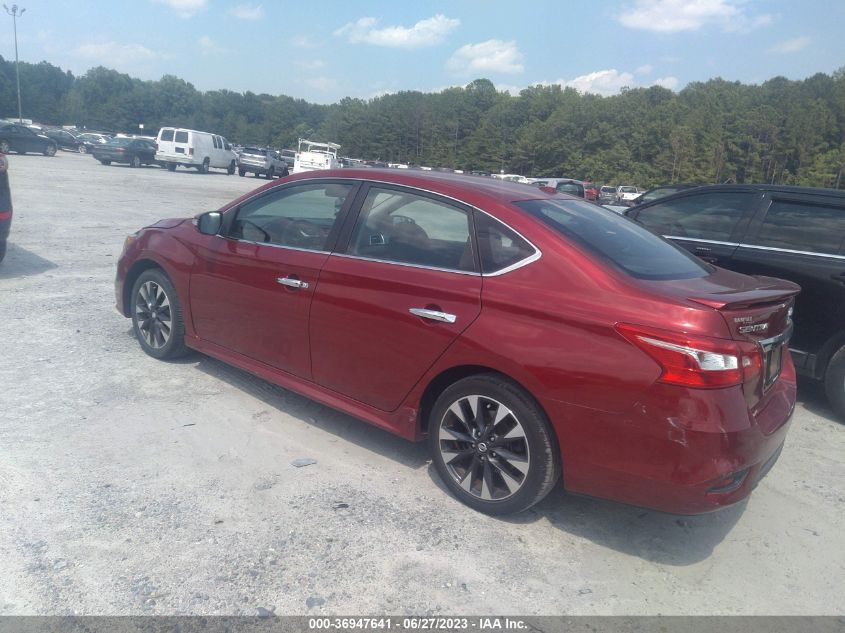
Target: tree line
(781, 131)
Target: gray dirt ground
(132, 486)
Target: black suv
(794, 233)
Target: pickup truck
(266, 162)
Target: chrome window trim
(794, 252)
(289, 248)
(523, 262)
(406, 264)
(696, 239)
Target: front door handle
(433, 315)
(292, 283)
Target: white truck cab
(192, 148)
(313, 155)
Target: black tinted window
(181, 137)
(572, 188)
(299, 217)
(498, 246)
(167, 135)
(400, 226)
(803, 227)
(616, 239)
(709, 216)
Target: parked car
(662, 191)
(5, 205)
(20, 139)
(261, 162)
(192, 148)
(430, 305)
(790, 232)
(289, 156)
(134, 151)
(315, 155)
(562, 185)
(607, 195)
(65, 140)
(91, 140)
(591, 191)
(625, 194)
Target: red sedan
(525, 334)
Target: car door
(390, 303)
(252, 286)
(708, 224)
(802, 240)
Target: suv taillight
(696, 361)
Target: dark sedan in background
(134, 151)
(5, 204)
(20, 139)
(66, 140)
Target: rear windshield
(617, 240)
(181, 137)
(627, 190)
(253, 150)
(120, 141)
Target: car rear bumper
(687, 452)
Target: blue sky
(323, 51)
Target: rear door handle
(433, 315)
(292, 283)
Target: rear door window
(708, 216)
(167, 135)
(798, 226)
(181, 137)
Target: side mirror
(210, 223)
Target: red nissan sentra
(529, 336)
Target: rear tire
(834, 382)
(136, 161)
(271, 173)
(105, 162)
(50, 150)
(157, 315)
(494, 467)
(5, 148)
(83, 149)
(2, 249)
(242, 172)
(205, 166)
(171, 166)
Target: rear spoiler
(738, 299)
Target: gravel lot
(132, 486)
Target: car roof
(761, 188)
(440, 182)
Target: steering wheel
(250, 230)
(303, 232)
(402, 219)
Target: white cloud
(314, 64)
(114, 54)
(673, 16)
(428, 32)
(185, 8)
(602, 82)
(645, 69)
(667, 82)
(321, 83)
(302, 41)
(206, 42)
(791, 46)
(493, 56)
(247, 12)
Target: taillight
(696, 361)
(190, 151)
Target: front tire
(5, 148)
(2, 249)
(834, 382)
(242, 172)
(83, 149)
(136, 161)
(492, 445)
(231, 169)
(157, 315)
(105, 162)
(271, 173)
(50, 150)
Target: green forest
(781, 131)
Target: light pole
(15, 15)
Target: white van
(192, 148)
